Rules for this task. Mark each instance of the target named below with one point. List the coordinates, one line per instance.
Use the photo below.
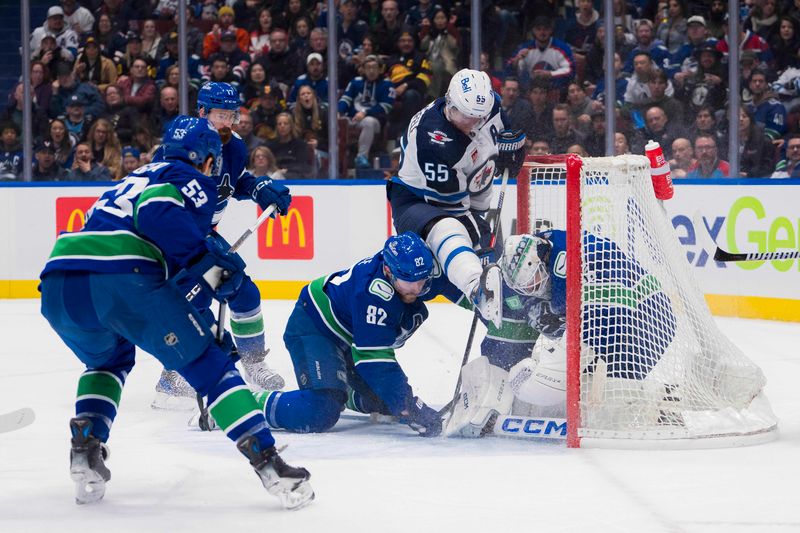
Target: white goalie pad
(484, 392)
(541, 379)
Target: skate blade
(168, 402)
(89, 485)
(298, 497)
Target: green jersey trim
(316, 289)
(105, 246)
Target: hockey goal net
(646, 364)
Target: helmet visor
(413, 288)
(223, 118)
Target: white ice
(382, 478)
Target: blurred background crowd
(105, 80)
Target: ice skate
(488, 295)
(258, 374)
(289, 483)
(87, 462)
(173, 393)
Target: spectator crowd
(105, 80)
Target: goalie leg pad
(542, 378)
(484, 393)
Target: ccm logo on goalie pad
(551, 428)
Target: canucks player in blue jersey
(219, 103)
(451, 152)
(112, 286)
(342, 337)
(622, 302)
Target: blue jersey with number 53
(153, 221)
(359, 308)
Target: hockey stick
(202, 421)
(17, 419)
(725, 256)
(450, 406)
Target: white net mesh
(653, 363)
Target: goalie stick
(202, 421)
(725, 256)
(17, 419)
(448, 408)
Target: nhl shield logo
(170, 339)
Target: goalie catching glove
(268, 192)
(511, 147)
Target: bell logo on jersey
(71, 212)
(290, 236)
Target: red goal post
(669, 377)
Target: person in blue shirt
(343, 334)
(113, 286)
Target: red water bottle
(659, 171)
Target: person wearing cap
(133, 51)
(213, 39)
(76, 118)
(266, 111)
(410, 72)
(45, 167)
(130, 159)
(66, 38)
(93, 67)
(66, 85)
(280, 63)
(707, 85)
(239, 61)
(77, 17)
(684, 61)
(366, 103)
(544, 57)
(315, 77)
(170, 57)
(351, 29)
(646, 42)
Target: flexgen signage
(71, 212)
(289, 236)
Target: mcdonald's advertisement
(332, 225)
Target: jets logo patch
(439, 137)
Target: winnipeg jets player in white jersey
(451, 152)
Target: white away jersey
(445, 167)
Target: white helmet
(523, 264)
(470, 92)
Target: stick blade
(17, 419)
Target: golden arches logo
(286, 222)
(76, 215)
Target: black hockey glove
(422, 419)
(511, 145)
(542, 318)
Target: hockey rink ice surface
(381, 477)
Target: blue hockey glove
(422, 419)
(268, 192)
(218, 271)
(542, 318)
(511, 145)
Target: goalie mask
(524, 264)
